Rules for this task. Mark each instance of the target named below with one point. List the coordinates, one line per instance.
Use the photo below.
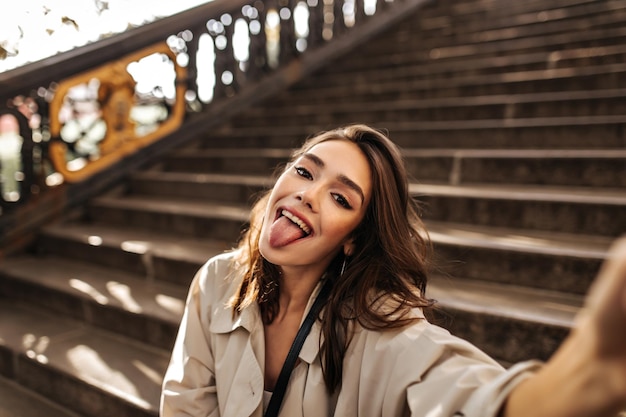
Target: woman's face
(315, 205)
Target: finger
(613, 270)
(609, 289)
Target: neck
(295, 291)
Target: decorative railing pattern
(102, 115)
(67, 117)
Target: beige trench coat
(216, 367)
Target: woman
(340, 220)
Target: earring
(343, 265)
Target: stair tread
(234, 152)
(577, 194)
(466, 80)
(203, 178)
(199, 250)
(196, 207)
(505, 301)
(412, 65)
(541, 305)
(541, 193)
(429, 103)
(548, 15)
(532, 241)
(462, 48)
(102, 285)
(407, 152)
(509, 123)
(512, 153)
(141, 241)
(304, 131)
(111, 363)
(20, 402)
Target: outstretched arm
(587, 375)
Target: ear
(348, 247)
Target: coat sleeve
(189, 383)
(462, 381)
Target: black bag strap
(283, 378)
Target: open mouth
(297, 221)
(288, 228)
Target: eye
(342, 201)
(303, 172)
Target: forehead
(345, 158)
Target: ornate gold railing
(101, 111)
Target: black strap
(285, 372)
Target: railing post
(287, 31)
(316, 24)
(225, 72)
(258, 41)
(339, 25)
(359, 13)
(193, 46)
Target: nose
(310, 196)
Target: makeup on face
(316, 204)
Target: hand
(605, 308)
(603, 318)
(586, 377)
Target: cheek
(341, 225)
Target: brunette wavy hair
(383, 280)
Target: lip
(298, 214)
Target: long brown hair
(383, 280)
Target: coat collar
(223, 322)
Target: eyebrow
(342, 178)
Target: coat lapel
(246, 390)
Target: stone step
(412, 66)
(562, 167)
(506, 106)
(18, 401)
(470, 20)
(562, 262)
(216, 187)
(415, 65)
(592, 77)
(527, 311)
(561, 209)
(127, 304)
(159, 256)
(510, 324)
(557, 209)
(556, 167)
(91, 371)
(426, 48)
(559, 262)
(593, 132)
(492, 24)
(260, 161)
(176, 216)
(466, 14)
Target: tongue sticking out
(284, 231)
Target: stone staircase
(511, 116)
